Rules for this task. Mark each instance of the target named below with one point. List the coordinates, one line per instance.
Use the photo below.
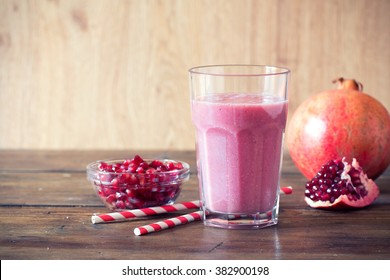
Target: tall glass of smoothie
(239, 112)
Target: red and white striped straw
(169, 223)
(188, 218)
(137, 213)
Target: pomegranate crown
(348, 84)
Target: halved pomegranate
(340, 184)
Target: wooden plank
(67, 233)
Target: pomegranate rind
(333, 124)
(343, 202)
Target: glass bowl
(132, 184)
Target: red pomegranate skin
(340, 123)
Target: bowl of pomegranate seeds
(137, 183)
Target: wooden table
(46, 205)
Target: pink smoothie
(239, 140)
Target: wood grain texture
(113, 74)
(46, 205)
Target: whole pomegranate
(341, 123)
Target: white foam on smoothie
(242, 98)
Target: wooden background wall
(100, 74)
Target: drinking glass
(239, 113)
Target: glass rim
(276, 70)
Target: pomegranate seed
(327, 185)
(156, 163)
(132, 167)
(120, 205)
(137, 160)
(111, 198)
(140, 170)
(170, 166)
(144, 165)
(102, 166)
